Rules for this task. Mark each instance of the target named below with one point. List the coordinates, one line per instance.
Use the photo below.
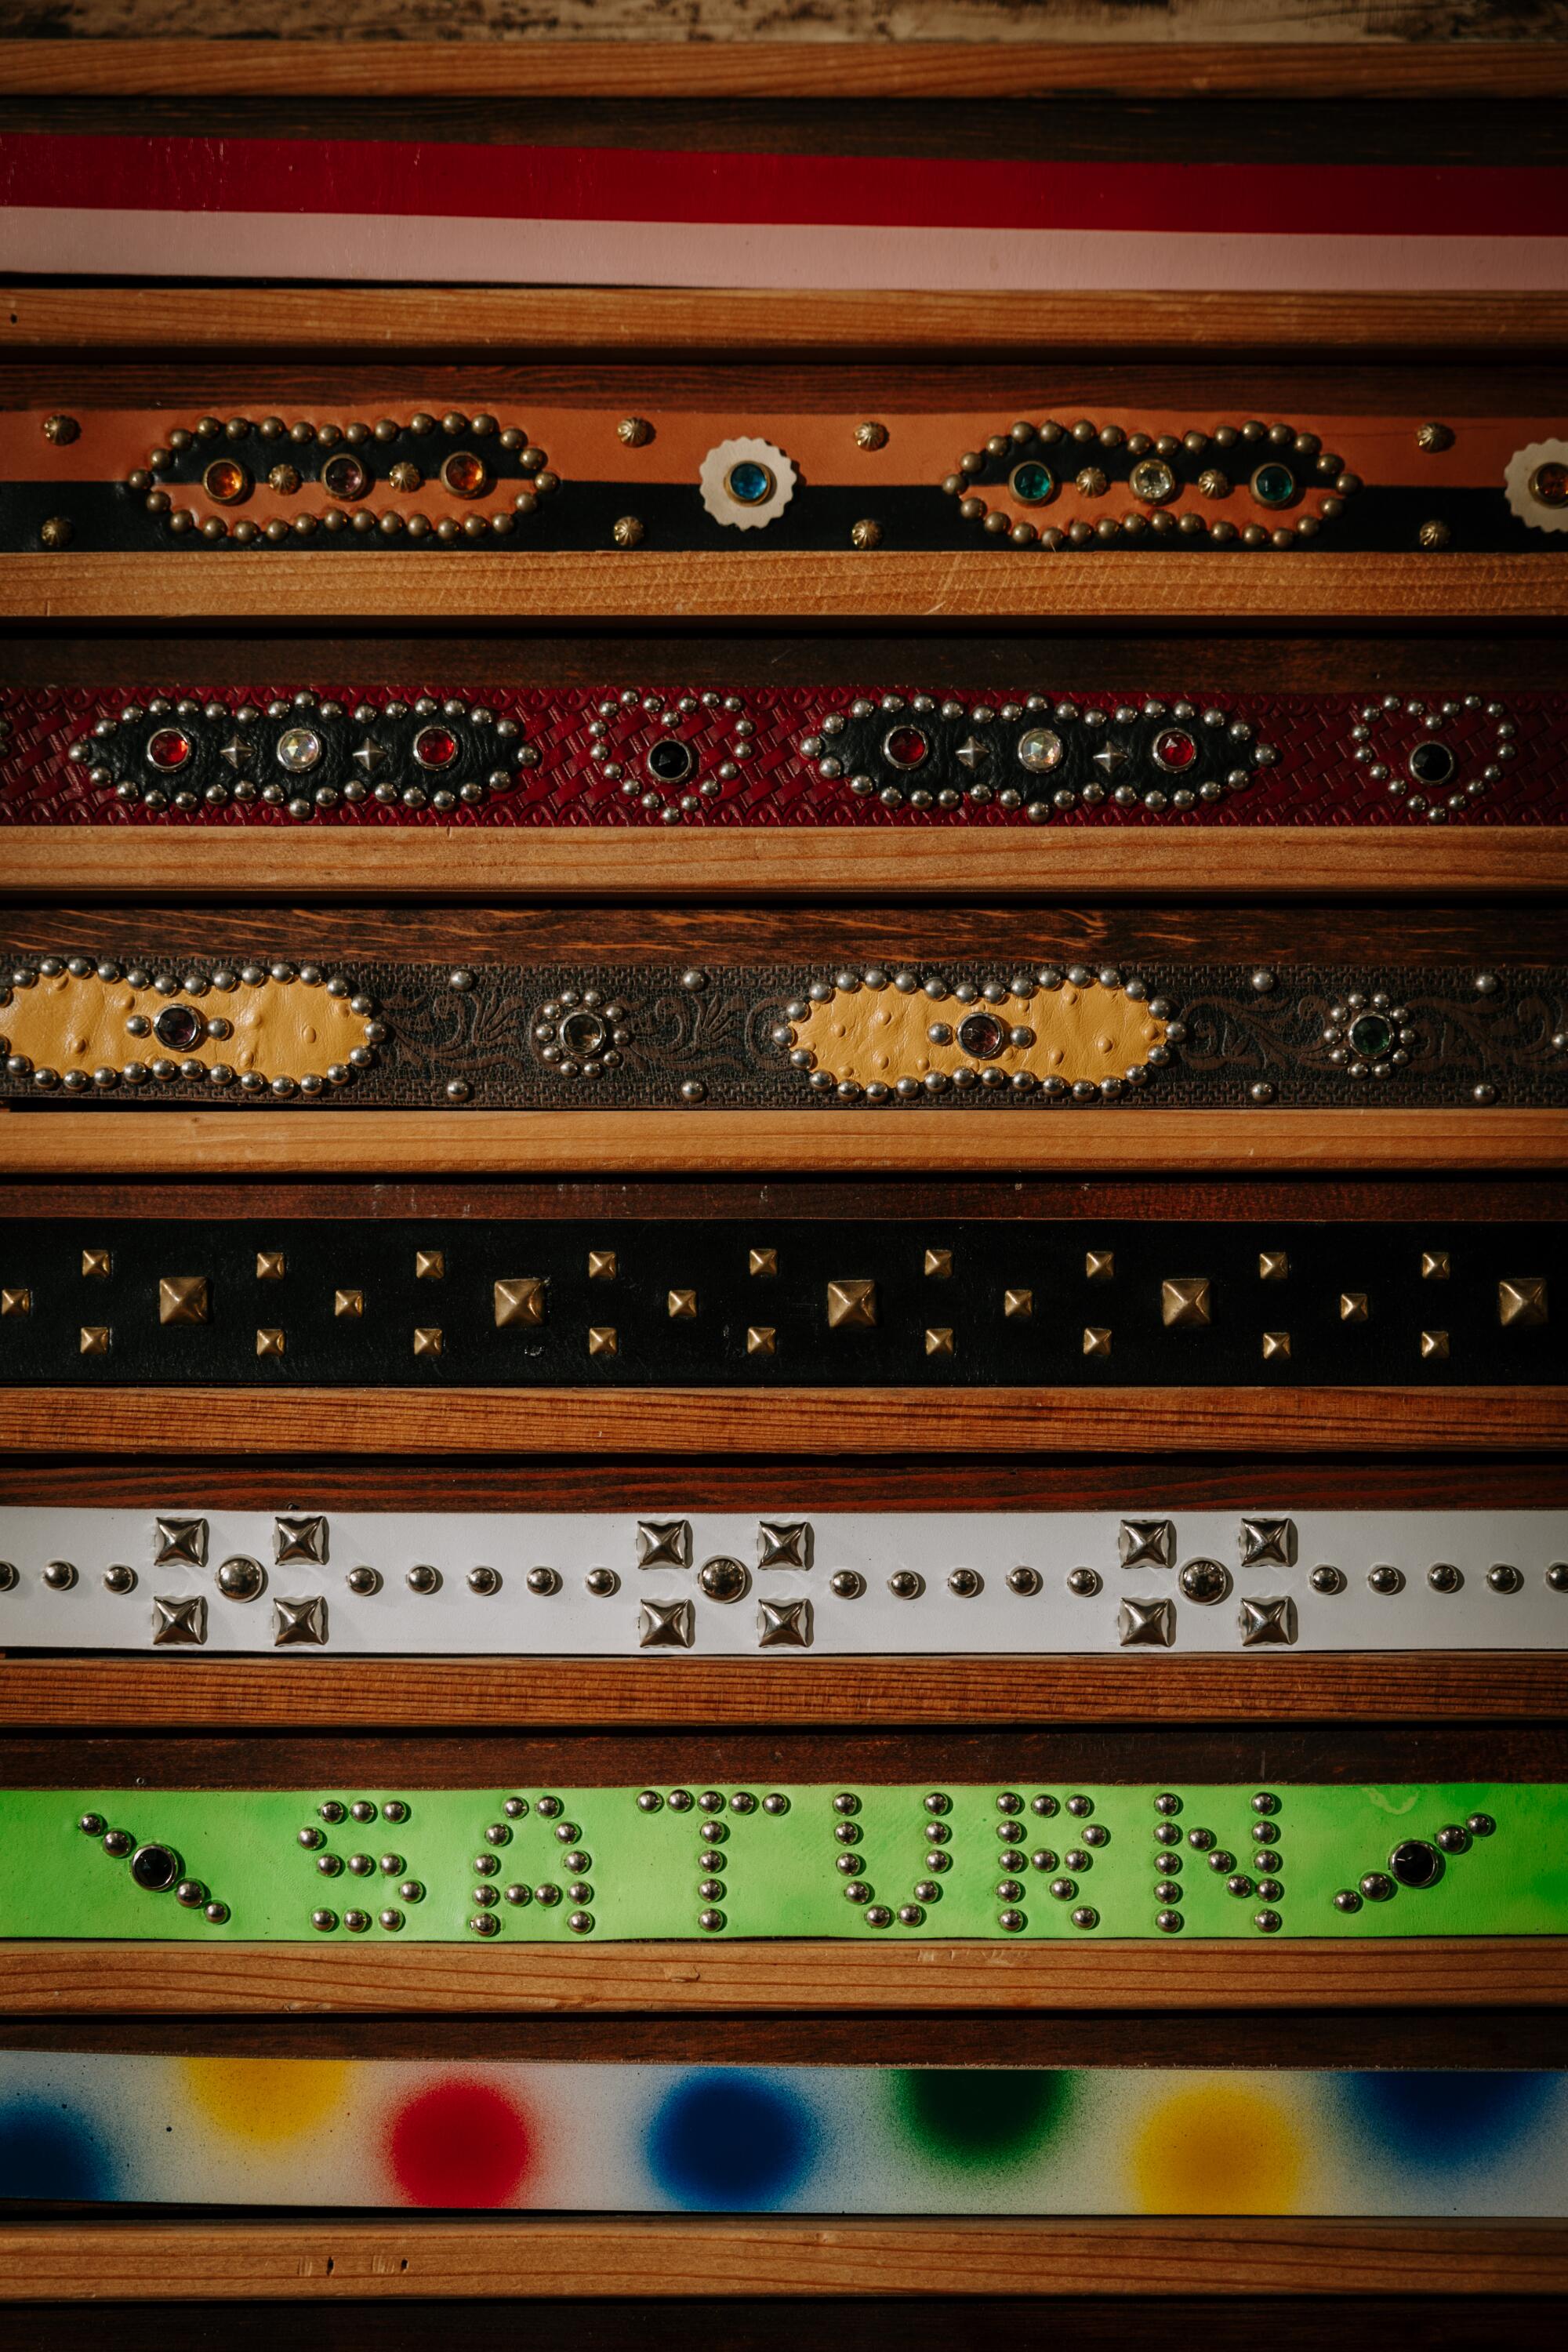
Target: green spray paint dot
(978, 2115)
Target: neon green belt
(620, 1863)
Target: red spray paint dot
(460, 2143)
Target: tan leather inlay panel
(277, 1029)
(877, 1035)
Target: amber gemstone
(1174, 749)
(436, 747)
(905, 747)
(1549, 484)
(227, 481)
(170, 746)
(344, 477)
(465, 475)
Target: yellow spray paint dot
(1217, 2149)
(265, 2098)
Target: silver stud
(1147, 1543)
(61, 1575)
(666, 1625)
(783, 1543)
(239, 1579)
(299, 1624)
(1146, 1624)
(783, 1624)
(1267, 1543)
(180, 1543)
(1268, 1622)
(301, 1541)
(180, 1624)
(664, 1543)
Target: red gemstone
(168, 748)
(1174, 750)
(906, 747)
(436, 747)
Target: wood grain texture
(220, 1694)
(893, 1141)
(122, 862)
(972, 585)
(70, 1979)
(360, 321)
(669, 67)
(309, 2259)
(725, 1421)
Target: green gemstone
(1274, 485)
(1033, 483)
(1371, 1036)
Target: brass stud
(1099, 1266)
(1521, 1299)
(429, 1266)
(761, 1340)
(15, 1302)
(269, 1265)
(55, 532)
(851, 1304)
(938, 1264)
(1096, 1341)
(602, 1341)
(762, 1261)
(348, 1303)
(428, 1340)
(182, 1298)
(1018, 1306)
(1433, 535)
(61, 430)
(1434, 1265)
(96, 1263)
(634, 432)
(1275, 1344)
(1185, 1302)
(269, 1340)
(866, 533)
(681, 1306)
(519, 1299)
(601, 1266)
(1352, 1307)
(871, 436)
(1434, 437)
(939, 1342)
(1434, 1346)
(629, 531)
(95, 1338)
(1273, 1266)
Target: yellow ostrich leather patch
(1071, 1034)
(264, 1029)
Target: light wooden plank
(893, 1139)
(257, 583)
(305, 2259)
(355, 321)
(751, 863)
(95, 1979)
(495, 1692)
(675, 1422)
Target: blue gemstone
(1274, 485)
(748, 483)
(1032, 482)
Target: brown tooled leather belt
(547, 477)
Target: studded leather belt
(624, 756)
(735, 1584)
(578, 476)
(774, 1303)
(620, 1863)
(163, 1025)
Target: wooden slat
(122, 861)
(358, 322)
(668, 68)
(783, 589)
(83, 1980)
(366, 1693)
(655, 1421)
(894, 1139)
(302, 2259)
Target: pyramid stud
(1018, 1306)
(1273, 1266)
(1276, 1345)
(1185, 1302)
(15, 1302)
(601, 1339)
(666, 1625)
(1352, 1307)
(1267, 1543)
(938, 1264)
(1521, 1301)
(681, 1306)
(348, 1303)
(428, 1340)
(429, 1266)
(303, 1538)
(1147, 1543)
(95, 1338)
(761, 1339)
(1096, 1340)
(271, 1265)
(299, 1624)
(1264, 1622)
(783, 1543)
(179, 1624)
(762, 1261)
(851, 1304)
(601, 1266)
(519, 1299)
(1434, 1265)
(1434, 1346)
(784, 1625)
(97, 1264)
(182, 1298)
(1146, 1624)
(1099, 1266)
(664, 1543)
(939, 1342)
(180, 1543)
(269, 1340)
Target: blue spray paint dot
(50, 2150)
(1442, 2122)
(725, 2142)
